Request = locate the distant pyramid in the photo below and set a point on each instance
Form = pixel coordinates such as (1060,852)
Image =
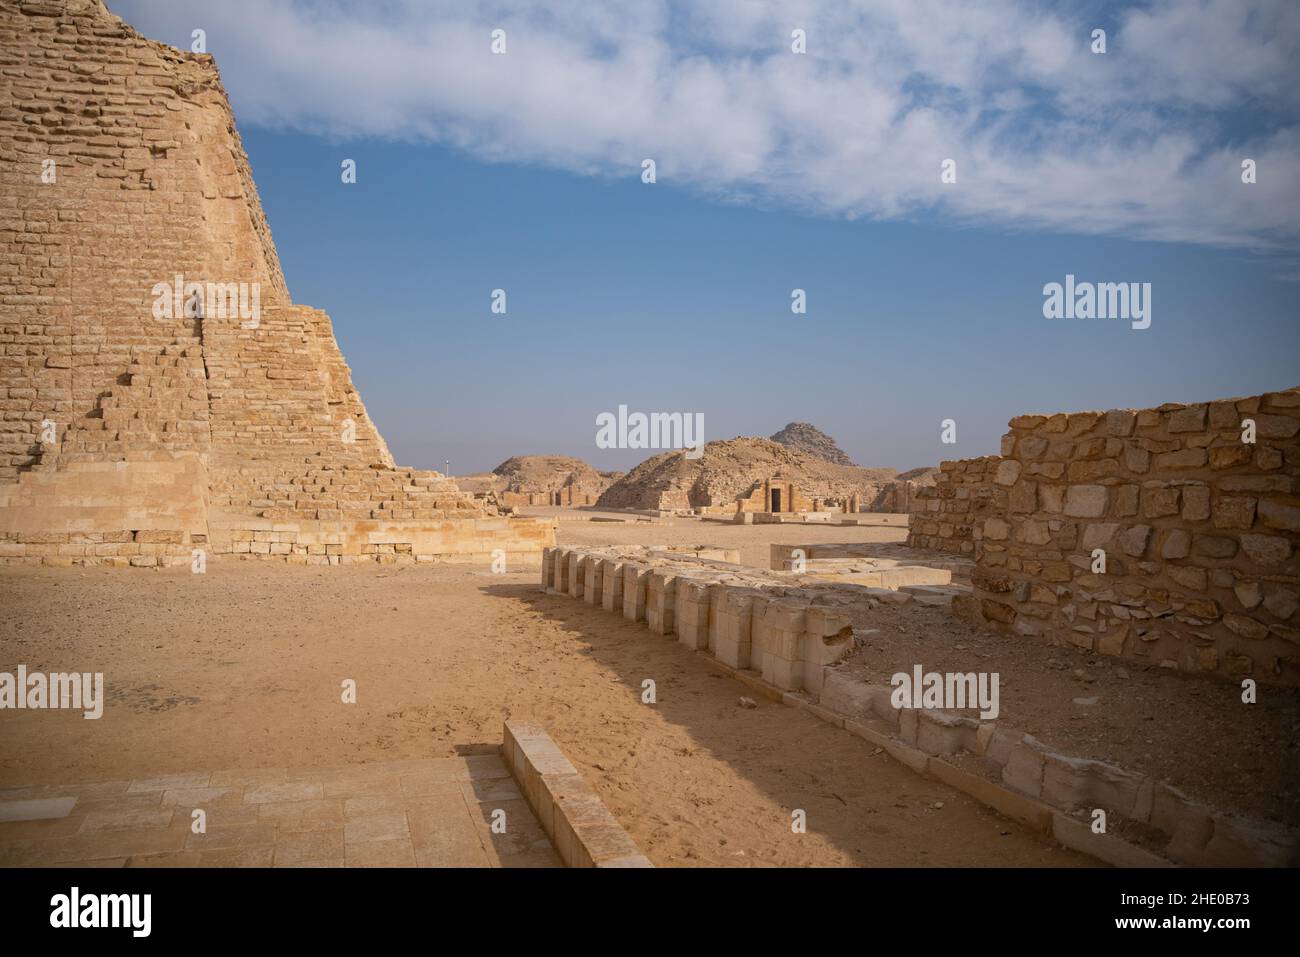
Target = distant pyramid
(810,440)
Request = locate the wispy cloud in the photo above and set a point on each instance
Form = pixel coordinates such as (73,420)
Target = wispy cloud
(1145,141)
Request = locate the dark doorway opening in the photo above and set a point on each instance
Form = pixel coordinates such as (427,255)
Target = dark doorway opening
(776,500)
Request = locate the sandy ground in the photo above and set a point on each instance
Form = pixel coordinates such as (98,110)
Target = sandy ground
(754,541)
(242,667)
(1192,732)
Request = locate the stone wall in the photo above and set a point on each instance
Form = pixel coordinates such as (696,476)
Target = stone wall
(1197,528)
(945,516)
(567,496)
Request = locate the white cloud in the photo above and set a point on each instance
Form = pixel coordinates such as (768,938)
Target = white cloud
(1145,141)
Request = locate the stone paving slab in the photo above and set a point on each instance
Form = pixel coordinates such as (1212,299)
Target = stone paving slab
(42,809)
(434,812)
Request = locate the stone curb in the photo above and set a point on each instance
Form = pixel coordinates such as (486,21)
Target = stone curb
(1043,786)
(579,825)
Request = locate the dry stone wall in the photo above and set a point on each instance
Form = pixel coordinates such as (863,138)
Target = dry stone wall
(946,515)
(1162,534)
(1198,530)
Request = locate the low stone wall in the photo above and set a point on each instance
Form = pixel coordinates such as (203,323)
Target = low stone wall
(308,542)
(303,542)
(1019,776)
(945,516)
(573,816)
(784,642)
(564,497)
(786,632)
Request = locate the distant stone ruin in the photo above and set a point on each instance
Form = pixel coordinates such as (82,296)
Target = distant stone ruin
(559,480)
(1169,534)
(731,469)
(775,497)
(160,393)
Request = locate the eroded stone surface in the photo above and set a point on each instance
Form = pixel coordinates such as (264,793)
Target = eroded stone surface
(139,425)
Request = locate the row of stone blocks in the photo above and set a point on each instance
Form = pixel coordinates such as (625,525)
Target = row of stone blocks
(1183,829)
(785,637)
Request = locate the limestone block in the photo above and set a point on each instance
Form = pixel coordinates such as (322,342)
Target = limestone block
(612,585)
(828,638)
(779,630)
(1023,769)
(560,581)
(1188,824)
(691,616)
(731,636)
(847,696)
(1008,472)
(661,600)
(635,578)
(577,573)
(548,567)
(940,732)
(594,580)
(1086,501)
(1279,515)
(1266,550)
(1070,783)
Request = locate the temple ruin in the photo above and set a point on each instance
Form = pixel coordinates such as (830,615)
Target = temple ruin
(775,496)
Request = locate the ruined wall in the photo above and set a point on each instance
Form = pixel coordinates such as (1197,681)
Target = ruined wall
(947,516)
(759,499)
(567,496)
(1199,531)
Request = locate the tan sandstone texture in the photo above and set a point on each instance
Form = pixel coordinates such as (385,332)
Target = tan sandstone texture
(1198,528)
(133,433)
(524,480)
(734,469)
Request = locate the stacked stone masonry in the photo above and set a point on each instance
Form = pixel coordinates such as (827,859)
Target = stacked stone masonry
(945,515)
(1198,529)
(135,427)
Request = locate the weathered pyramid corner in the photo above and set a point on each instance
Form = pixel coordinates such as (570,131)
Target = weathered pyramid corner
(167,400)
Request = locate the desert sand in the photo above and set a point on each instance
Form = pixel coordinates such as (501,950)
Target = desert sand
(241,667)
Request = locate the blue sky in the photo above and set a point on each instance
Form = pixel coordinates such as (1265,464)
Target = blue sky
(922,304)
